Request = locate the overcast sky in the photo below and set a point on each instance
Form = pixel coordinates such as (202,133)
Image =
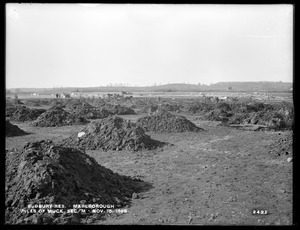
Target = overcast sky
(75,45)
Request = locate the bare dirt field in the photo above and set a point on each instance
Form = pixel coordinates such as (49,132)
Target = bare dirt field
(219,176)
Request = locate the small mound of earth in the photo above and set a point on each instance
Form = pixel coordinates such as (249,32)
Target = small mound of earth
(162,121)
(56,116)
(13,130)
(118,109)
(56,103)
(23,114)
(218,115)
(112,133)
(86,110)
(171,107)
(98,102)
(9,111)
(76,104)
(284,145)
(43,173)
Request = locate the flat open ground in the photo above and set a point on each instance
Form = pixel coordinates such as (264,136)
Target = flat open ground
(215,177)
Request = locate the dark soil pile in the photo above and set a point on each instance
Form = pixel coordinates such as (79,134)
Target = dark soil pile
(56,116)
(283,146)
(199,108)
(112,133)
(171,107)
(98,102)
(238,118)
(45,173)
(25,114)
(44,101)
(117,109)
(13,130)
(162,121)
(148,108)
(276,116)
(218,115)
(82,108)
(77,104)
(56,103)
(9,111)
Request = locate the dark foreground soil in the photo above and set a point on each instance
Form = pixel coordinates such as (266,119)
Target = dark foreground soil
(215,177)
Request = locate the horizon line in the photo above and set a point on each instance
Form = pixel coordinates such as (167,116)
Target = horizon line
(153,85)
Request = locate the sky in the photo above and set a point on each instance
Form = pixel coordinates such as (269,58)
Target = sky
(89,45)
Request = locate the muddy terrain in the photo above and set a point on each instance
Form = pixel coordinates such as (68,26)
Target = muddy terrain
(221,175)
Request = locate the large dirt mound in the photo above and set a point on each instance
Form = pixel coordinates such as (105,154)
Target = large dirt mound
(56,116)
(25,114)
(13,130)
(45,173)
(162,121)
(112,133)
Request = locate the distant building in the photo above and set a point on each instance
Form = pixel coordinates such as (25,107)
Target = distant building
(229,88)
(65,95)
